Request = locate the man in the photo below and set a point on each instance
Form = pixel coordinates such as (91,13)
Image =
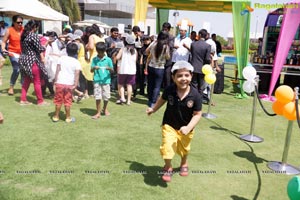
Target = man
(167,77)
(193,36)
(139,71)
(111,49)
(200,52)
(218,44)
(182,45)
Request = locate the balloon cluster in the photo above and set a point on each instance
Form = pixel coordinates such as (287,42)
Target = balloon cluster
(210,76)
(249,74)
(293,188)
(285,102)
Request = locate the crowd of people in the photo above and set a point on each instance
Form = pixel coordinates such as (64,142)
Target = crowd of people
(76,64)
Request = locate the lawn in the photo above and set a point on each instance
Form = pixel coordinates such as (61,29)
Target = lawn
(117,157)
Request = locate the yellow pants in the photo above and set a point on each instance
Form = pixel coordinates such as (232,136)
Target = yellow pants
(174,142)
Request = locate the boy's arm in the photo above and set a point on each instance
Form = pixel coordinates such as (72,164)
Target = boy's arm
(191,125)
(56,73)
(76,78)
(159,103)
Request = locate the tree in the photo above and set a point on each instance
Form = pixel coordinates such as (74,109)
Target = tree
(222,40)
(67,7)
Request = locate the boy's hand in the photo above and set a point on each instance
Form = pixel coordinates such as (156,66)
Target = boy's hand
(1,118)
(185,130)
(149,111)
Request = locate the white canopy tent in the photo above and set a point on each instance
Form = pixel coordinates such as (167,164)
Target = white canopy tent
(32,9)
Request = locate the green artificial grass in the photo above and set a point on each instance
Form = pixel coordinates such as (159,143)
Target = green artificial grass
(117,157)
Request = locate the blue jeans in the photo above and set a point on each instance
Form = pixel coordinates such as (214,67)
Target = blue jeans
(16,70)
(155,79)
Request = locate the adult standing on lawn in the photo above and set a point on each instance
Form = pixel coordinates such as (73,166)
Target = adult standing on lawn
(200,52)
(32,62)
(13,37)
(182,114)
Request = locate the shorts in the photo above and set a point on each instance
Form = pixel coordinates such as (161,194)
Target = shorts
(174,142)
(126,79)
(63,95)
(102,91)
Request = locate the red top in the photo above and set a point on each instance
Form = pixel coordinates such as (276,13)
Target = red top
(14,40)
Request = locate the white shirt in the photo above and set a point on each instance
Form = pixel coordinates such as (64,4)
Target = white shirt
(128,62)
(181,53)
(68,67)
(213,47)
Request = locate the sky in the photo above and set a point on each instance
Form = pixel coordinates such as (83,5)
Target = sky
(222,23)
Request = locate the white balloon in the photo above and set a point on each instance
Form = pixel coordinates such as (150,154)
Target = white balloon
(249,72)
(249,86)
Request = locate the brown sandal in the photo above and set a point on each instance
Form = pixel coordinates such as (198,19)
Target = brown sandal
(184,171)
(167,174)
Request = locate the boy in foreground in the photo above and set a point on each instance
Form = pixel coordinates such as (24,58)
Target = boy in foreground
(182,114)
(66,80)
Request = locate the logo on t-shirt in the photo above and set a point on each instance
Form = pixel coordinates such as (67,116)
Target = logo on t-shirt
(190,103)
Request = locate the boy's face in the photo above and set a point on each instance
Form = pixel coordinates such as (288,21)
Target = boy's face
(182,78)
(101,53)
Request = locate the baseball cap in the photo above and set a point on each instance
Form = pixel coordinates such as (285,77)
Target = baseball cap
(130,39)
(182,65)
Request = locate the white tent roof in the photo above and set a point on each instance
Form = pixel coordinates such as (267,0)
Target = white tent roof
(90,22)
(33,9)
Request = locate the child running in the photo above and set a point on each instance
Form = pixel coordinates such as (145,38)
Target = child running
(182,114)
(102,67)
(66,80)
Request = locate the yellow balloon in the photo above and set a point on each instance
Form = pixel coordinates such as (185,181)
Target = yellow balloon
(278,107)
(210,78)
(207,69)
(289,111)
(284,94)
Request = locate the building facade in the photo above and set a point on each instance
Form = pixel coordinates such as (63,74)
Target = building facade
(114,12)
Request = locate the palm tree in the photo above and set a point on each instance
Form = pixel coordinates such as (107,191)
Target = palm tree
(67,7)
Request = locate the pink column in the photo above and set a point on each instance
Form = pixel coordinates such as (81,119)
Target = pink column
(290,24)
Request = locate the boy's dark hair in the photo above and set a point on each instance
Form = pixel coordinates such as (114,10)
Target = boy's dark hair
(136,29)
(203,33)
(100,46)
(166,25)
(114,29)
(72,49)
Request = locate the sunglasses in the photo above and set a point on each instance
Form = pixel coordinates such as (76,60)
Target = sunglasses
(19,23)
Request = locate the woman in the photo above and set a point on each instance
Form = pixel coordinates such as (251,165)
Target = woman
(13,36)
(92,33)
(159,53)
(126,69)
(32,63)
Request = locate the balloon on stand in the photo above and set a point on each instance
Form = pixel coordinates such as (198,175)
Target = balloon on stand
(210,78)
(249,86)
(207,69)
(249,73)
(293,188)
(289,111)
(278,107)
(284,94)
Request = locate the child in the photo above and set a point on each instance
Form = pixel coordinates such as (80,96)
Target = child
(101,66)
(66,80)
(182,114)
(127,69)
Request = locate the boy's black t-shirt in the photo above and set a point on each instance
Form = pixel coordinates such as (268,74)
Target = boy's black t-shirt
(179,113)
